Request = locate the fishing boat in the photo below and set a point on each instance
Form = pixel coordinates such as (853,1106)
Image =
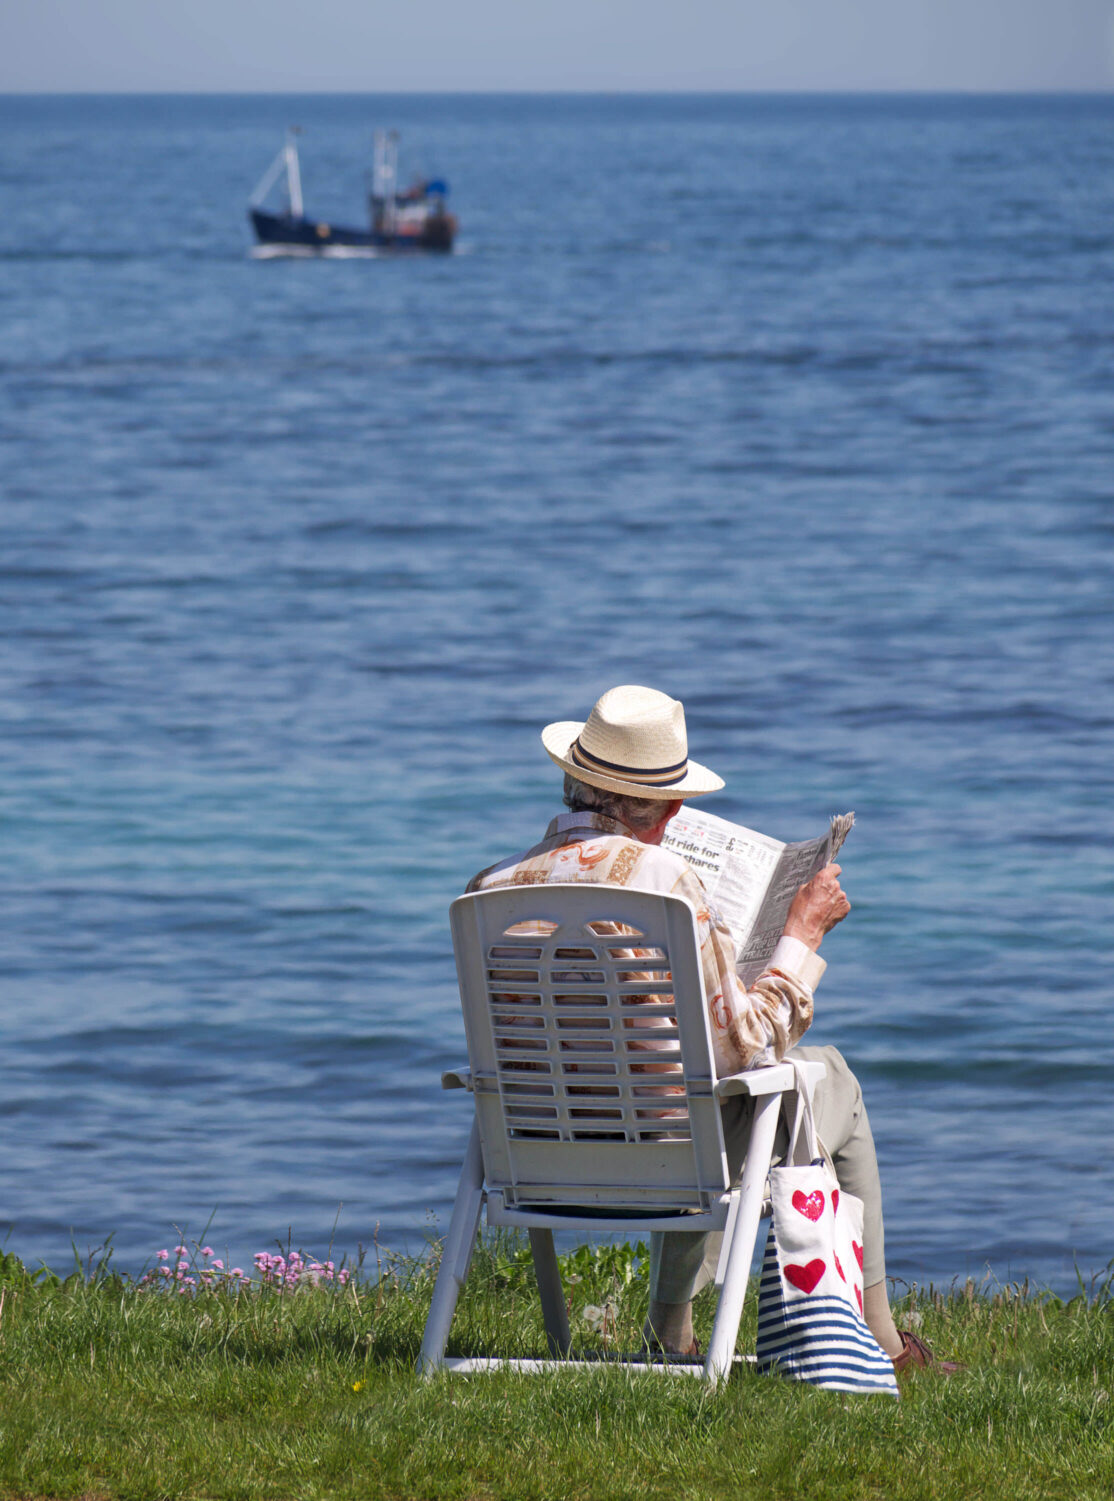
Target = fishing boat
(406,219)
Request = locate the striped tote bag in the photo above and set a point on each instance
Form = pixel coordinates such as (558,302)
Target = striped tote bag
(810,1297)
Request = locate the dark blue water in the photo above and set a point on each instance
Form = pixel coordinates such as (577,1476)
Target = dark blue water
(801,409)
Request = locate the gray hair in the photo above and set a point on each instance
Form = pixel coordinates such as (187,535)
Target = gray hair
(638,813)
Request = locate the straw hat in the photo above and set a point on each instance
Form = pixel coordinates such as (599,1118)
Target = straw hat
(633,742)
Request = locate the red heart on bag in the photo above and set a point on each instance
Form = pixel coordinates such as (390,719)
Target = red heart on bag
(858,1250)
(805,1278)
(810,1205)
(839,1269)
(835,1199)
(859,1295)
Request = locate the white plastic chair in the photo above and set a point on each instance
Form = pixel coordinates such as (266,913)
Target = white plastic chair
(597,1103)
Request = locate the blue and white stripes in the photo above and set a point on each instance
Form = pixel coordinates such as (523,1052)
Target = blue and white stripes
(819,1339)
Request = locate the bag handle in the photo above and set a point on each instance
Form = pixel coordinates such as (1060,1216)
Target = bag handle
(804,1117)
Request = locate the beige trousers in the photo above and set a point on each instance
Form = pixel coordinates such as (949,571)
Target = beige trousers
(681,1263)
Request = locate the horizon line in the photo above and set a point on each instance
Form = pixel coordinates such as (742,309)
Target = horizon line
(572,92)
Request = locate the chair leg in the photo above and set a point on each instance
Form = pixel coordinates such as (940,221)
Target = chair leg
(725,1244)
(548,1276)
(456,1256)
(737,1257)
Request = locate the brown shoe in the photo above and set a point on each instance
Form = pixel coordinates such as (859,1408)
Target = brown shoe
(915,1355)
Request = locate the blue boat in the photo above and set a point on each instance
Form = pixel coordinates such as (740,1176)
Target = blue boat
(409,219)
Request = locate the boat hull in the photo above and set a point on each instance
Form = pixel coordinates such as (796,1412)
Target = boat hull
(306,235)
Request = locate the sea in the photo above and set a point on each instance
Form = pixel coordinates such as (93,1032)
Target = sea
(799,408)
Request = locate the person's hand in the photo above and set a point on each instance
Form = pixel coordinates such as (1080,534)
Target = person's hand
(817,907)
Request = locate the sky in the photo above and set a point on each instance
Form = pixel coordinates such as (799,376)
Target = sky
(367,46)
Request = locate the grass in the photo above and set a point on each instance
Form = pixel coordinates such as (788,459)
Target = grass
(108,1389)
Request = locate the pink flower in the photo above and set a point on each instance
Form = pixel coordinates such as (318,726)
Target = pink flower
(219,1265)
(206,1250)
(238,1272)
(162,1255)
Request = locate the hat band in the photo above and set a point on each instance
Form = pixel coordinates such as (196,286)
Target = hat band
(663,776)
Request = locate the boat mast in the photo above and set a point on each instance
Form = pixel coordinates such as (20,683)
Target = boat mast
(384,181)
(293,173)
(286,160)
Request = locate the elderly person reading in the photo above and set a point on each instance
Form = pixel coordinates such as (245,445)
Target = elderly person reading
(627,771)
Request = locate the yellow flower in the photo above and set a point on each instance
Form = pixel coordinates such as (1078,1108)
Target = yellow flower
(357,1386)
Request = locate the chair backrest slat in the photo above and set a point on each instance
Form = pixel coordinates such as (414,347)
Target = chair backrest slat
(588,1041)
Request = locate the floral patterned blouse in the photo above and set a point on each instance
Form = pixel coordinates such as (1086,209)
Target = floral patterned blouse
(749,1027)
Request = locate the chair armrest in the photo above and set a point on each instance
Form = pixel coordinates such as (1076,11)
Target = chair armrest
(457,1078)
(775,1079)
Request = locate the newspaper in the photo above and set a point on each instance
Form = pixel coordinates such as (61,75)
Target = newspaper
(751,878)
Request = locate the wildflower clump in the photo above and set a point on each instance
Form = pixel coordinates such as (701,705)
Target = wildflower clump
(293,1271)
(187,1273)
